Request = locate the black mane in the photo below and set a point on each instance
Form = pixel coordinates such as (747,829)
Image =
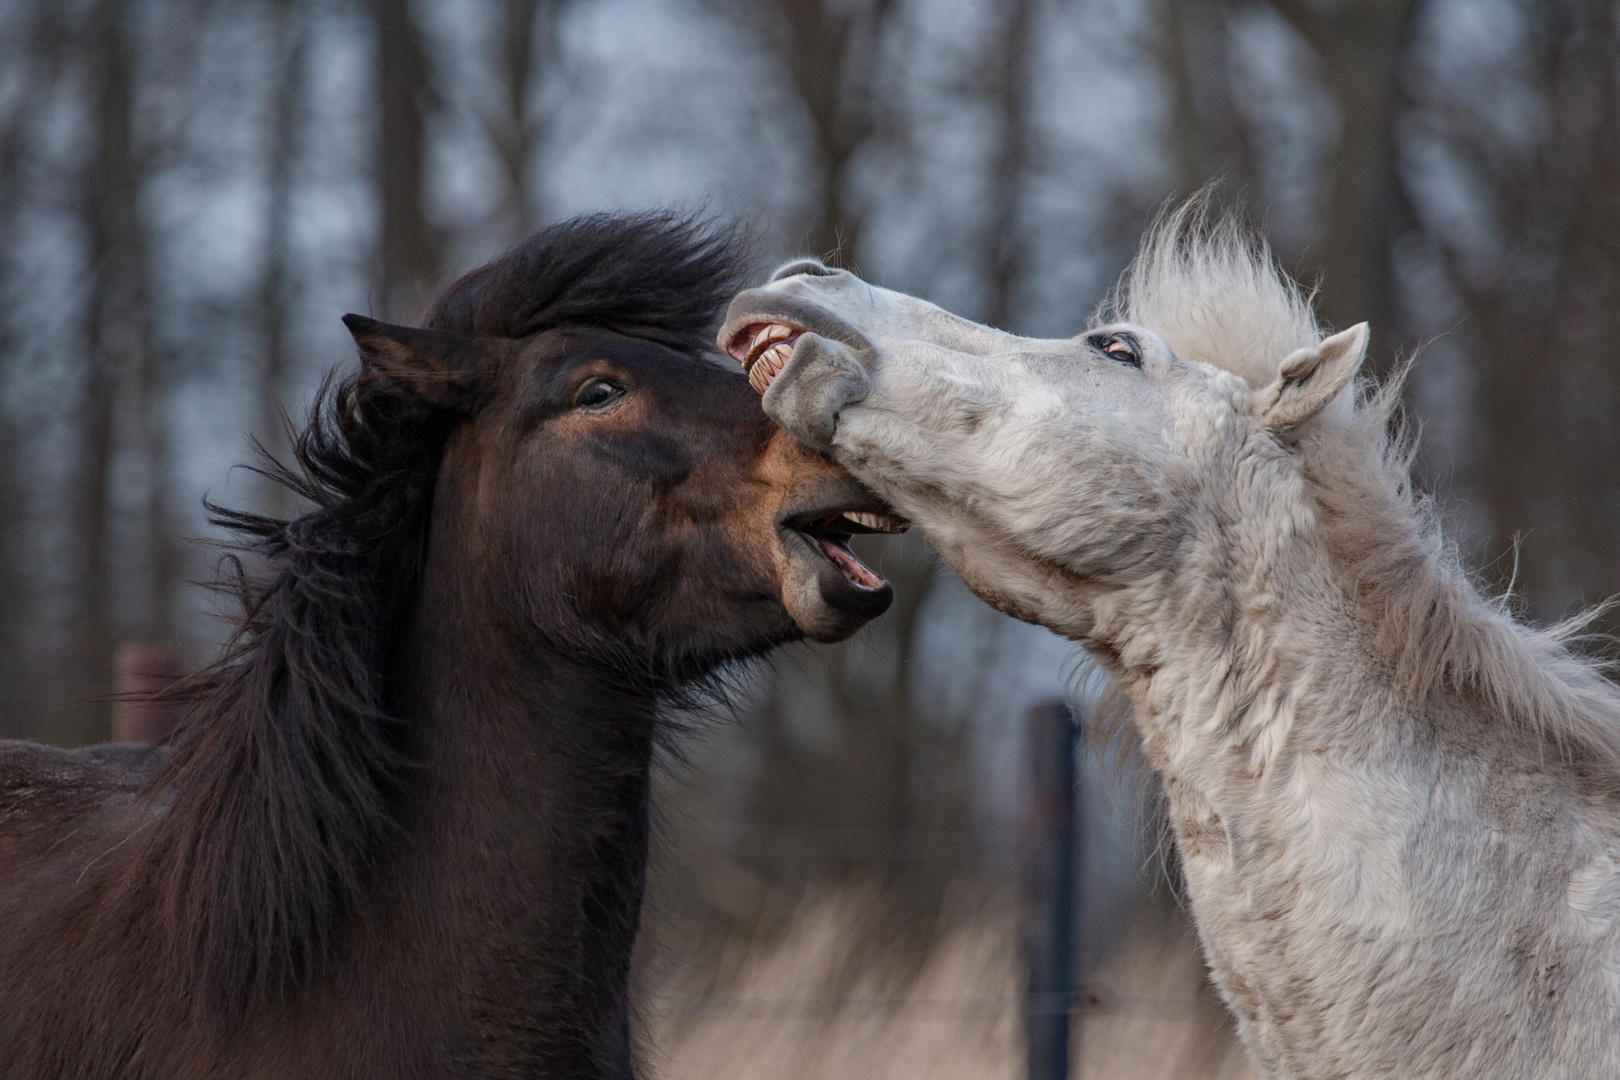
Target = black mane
(284,775)
(654,275)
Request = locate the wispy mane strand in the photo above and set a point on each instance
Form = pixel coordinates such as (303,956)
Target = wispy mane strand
(1210,287)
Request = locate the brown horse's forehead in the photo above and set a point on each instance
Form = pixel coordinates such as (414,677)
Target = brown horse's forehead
(570,343)
(532,380)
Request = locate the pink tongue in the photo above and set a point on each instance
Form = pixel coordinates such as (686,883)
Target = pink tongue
(852,567)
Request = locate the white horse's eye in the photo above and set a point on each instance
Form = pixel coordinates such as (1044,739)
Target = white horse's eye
(1119,347)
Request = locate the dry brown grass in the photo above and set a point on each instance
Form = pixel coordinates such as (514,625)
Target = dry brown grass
(808,1004)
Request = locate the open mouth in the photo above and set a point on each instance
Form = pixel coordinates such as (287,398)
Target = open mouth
(829,534)
(816,524)
(763,350)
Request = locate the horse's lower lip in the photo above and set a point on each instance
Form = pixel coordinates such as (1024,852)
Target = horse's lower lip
(826,589)
(836,551)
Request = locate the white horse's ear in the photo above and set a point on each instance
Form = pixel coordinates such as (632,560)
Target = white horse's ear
(1308,379)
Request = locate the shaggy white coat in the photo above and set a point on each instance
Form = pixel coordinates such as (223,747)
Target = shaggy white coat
(1396,807)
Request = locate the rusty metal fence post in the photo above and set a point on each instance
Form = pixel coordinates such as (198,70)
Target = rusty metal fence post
(141,668)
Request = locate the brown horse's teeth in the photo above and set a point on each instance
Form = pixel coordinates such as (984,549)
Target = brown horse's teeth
(880,522)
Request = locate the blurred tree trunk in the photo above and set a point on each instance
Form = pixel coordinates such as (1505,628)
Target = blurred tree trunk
(273,301)
(1544,304)
(1366,51)
(36,52)
(409,247)
(125,551)
(832,52)
(516,129)
(1006,251)
(1208,137)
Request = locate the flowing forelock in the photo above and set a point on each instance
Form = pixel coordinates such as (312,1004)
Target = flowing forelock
(1212,290)
(658,275)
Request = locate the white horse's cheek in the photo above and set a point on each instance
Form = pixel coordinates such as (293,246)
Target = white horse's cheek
(882,454)
(1593,895)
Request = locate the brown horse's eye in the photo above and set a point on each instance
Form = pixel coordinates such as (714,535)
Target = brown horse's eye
(597,393)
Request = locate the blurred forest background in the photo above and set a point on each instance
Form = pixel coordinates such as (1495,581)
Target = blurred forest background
(192,192)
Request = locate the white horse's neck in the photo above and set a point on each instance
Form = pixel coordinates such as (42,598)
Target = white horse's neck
(1332,831)
(1244,655)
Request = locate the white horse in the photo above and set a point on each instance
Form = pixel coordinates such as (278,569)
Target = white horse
(1398,809)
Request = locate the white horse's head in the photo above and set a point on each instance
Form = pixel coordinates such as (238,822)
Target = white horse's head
(1358,749)
(1091,462)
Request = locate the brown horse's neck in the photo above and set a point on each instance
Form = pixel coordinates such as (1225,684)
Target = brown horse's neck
(530,812)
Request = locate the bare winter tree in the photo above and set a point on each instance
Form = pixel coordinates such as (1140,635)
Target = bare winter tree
(515,126)
(290,22)
(1542,296)
(1363,50)
(109,68)
(832,54)
(1207,137)
(410,250)
(36,48)
(120,378)
(1007,76)
(1366,49)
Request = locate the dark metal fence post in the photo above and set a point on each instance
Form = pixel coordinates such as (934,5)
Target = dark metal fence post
(1050,854)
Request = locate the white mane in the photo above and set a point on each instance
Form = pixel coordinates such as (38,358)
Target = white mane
(1212,289)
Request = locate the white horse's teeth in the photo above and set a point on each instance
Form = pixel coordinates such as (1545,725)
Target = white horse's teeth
(769,362)
(766,335)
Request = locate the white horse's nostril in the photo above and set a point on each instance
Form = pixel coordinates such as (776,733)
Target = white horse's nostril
(812,267)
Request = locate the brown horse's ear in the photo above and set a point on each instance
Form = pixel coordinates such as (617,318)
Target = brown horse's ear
(435,365)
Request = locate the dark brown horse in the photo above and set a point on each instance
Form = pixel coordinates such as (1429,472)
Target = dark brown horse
(402,831)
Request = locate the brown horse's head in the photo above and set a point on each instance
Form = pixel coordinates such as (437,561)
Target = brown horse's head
(624,485)
(619,484)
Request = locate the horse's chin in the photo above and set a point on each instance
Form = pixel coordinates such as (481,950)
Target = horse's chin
(828,598)
(829,592)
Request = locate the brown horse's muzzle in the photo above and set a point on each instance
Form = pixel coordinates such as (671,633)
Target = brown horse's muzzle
(826,587)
